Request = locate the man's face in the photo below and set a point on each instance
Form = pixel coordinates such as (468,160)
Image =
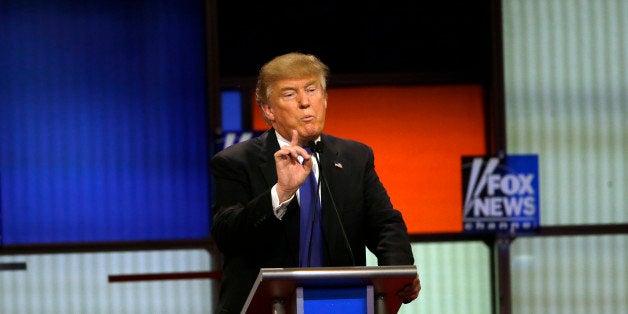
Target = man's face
(297,104)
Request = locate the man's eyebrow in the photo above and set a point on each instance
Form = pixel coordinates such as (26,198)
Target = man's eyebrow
(308,84)
(287,88)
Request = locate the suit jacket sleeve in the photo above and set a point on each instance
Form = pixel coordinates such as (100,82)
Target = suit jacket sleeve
(387,235)
(367,213)
(243,206)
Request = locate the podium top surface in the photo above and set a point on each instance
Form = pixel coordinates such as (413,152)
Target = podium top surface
(273,283)
(313,274)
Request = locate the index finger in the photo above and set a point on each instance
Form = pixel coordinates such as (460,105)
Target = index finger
(295,138)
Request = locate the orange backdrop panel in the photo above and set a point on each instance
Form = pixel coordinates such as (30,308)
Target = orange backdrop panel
(418,134)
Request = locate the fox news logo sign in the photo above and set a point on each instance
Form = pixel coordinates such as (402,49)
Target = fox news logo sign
(501,195)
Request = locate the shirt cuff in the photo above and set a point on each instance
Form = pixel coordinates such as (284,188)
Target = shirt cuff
(279,208)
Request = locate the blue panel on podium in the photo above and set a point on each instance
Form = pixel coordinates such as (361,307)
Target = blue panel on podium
(336,300)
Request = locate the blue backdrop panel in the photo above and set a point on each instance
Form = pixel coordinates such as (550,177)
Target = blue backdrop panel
(231,101)
(103,121)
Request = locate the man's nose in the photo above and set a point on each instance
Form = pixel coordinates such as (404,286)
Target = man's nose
(303,100)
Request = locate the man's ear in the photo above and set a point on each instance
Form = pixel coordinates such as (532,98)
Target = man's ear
(268,111)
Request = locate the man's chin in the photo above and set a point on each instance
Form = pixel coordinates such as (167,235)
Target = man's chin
(309,136)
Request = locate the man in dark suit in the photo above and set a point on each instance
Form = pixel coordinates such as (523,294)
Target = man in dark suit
(258,222)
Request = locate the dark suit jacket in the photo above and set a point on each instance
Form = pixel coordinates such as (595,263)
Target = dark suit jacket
(251,237)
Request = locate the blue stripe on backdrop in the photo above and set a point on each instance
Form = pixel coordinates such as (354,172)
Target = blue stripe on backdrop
(103,121)
(231,105)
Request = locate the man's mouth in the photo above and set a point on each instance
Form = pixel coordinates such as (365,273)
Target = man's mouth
(307,118)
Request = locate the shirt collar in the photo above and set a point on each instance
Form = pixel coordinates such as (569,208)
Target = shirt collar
(284,142)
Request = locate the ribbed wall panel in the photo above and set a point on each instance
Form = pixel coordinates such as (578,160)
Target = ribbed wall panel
(570,275)
(567,100)
(455,278)
(78,283)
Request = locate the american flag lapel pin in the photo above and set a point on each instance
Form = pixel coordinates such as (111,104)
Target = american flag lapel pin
(338,164)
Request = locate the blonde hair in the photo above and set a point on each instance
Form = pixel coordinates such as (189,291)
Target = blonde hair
(292,65)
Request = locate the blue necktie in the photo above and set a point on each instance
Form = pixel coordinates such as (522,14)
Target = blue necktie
(311,235)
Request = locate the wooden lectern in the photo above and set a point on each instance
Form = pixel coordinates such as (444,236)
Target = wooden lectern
(362,289)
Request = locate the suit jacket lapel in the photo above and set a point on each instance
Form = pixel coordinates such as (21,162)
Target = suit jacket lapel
(330,159)
(269,146)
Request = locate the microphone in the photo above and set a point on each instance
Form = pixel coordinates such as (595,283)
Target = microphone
(319,147)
